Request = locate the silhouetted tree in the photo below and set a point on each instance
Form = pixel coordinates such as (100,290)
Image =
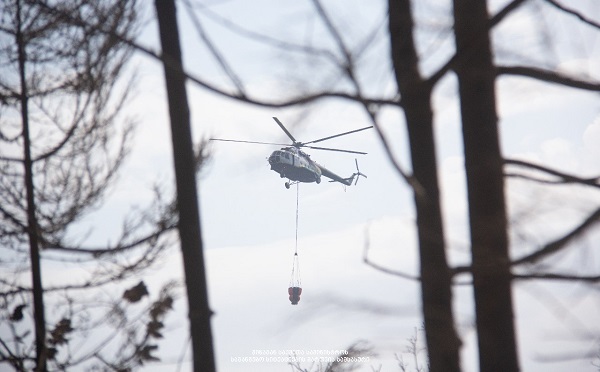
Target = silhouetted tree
(190,234)
(63,138)
(485,185)
(415,92)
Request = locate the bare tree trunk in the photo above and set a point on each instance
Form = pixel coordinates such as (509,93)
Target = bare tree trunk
(187,198)
(485,184)
(32,233)
(443,343)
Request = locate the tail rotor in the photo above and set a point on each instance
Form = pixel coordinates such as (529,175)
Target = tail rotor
(358,174)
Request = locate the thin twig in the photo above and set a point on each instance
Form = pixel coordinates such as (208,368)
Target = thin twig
(215,52)
(380,267)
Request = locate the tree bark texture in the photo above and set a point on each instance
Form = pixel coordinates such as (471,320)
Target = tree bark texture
(485,185)
(187,198)
(442,340)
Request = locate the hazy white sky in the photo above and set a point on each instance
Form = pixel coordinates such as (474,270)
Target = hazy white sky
(248,217)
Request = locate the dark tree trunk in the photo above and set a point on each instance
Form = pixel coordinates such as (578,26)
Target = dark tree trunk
(187,198)
(485,184)
(32,231)
(443,343)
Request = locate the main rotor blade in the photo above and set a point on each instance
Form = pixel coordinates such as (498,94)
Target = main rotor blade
(284,129)
(339,150)
(240,141)
(338,135)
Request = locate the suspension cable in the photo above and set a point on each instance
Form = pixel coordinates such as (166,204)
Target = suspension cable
(297,198)
(295,280)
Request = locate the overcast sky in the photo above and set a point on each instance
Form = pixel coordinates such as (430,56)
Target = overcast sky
(248,216)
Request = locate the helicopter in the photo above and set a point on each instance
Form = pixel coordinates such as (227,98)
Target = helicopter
(297,166)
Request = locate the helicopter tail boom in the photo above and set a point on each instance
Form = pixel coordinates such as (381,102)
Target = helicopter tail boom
(346,181)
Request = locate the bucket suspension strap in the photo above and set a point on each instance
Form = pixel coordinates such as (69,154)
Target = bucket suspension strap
(295,280)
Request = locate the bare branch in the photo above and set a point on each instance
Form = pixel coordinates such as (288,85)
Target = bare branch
(555,276)
(337,37)
(369,106)
(564,177)
(540,179)
(215,52)
(99,279)
(386,270)
(267,39)
(219,91)
(548,76)
(580,16)
(496,19)
(548,249)
(381,268)
(119,248)
(409,178)
(562,242)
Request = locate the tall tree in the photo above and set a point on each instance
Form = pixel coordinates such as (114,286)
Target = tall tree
(485,185)
(63,139)
(32,229)
(187,199)
(415,97)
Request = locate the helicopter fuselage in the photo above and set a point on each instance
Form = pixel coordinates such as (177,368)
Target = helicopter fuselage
(295,165)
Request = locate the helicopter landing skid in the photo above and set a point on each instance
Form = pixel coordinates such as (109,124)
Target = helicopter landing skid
(290,183)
